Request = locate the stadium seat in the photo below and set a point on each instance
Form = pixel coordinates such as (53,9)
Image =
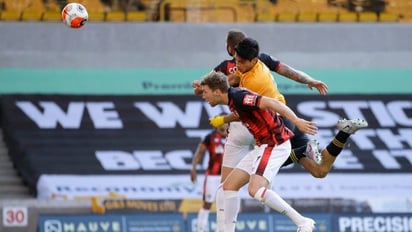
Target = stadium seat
(96,16)
(266,17)
(51,16)
(388,17)
(286,17)
(265,11)
(10,15)
(221,15)
(115,16)
(307,17)
(347,17)
(31,15)
(368,17)
(136,16)
(328,17)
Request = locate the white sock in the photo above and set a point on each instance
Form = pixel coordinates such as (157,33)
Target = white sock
(231,210)
(202,219)
(220,208)
(274,201)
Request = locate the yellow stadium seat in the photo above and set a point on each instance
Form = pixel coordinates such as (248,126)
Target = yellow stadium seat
(286,17)
(136,16)
(96,16)
(328,17)
(368,17)
(388,17)
(347,17)
(307,17)
(31,15)
(10,15)
(52,16)
(115,16)
(265,17)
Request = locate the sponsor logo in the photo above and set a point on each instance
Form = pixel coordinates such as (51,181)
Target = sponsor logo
(85,226)
(372,223)
(249,100)
(52,226)
(385,146)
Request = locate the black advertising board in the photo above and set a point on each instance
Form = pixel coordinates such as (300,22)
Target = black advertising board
(157,135)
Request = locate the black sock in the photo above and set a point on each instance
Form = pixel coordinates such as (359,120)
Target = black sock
(295,155)
(338,143)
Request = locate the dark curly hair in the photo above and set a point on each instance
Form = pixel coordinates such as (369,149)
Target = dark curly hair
(247,49)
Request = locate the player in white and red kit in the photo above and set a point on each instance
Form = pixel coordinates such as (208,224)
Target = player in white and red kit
(262,117)
(213,143)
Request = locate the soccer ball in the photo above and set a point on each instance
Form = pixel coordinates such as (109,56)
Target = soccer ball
(74,15)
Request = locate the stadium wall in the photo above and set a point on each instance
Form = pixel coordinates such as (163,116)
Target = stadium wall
(174,45)
(32,54)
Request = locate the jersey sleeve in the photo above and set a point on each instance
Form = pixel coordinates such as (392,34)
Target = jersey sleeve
(227,67)
(246,100)
(206,140)
(271,62)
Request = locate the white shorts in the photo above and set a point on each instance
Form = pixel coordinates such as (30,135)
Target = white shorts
(210,186)
(238,143)
(253,163)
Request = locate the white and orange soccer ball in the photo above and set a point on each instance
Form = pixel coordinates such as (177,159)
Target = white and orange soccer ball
(74,15)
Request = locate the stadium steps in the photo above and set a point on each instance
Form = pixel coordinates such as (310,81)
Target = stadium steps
(11,185)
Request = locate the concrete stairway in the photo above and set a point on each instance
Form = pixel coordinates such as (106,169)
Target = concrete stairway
(11,185)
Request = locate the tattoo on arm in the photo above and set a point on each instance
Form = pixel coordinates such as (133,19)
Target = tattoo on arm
(294,74)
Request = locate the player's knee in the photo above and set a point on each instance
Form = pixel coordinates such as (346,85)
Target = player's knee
(254,190)
(319,174)
(251,192)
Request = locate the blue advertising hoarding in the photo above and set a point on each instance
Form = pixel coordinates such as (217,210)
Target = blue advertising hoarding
(247,222)
(112,223)
(263,222)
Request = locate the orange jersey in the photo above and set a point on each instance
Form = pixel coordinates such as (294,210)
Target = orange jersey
(261,81)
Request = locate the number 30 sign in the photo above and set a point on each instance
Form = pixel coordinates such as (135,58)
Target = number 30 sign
(15,216)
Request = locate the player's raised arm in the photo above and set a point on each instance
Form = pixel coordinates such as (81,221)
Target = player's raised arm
(289,72)
(200,152)
(302,77)
(275,105)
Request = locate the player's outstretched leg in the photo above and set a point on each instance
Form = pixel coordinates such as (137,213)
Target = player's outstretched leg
(320,168)
(334,148)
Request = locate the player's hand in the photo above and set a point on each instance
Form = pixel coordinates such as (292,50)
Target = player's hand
(319,85)
(233,80)
(197,89)
(306,126)
(193,175)
(217,121)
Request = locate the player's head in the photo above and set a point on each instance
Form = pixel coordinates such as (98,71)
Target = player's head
(223,129)
(215,86)
(233,37)
(246,54)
